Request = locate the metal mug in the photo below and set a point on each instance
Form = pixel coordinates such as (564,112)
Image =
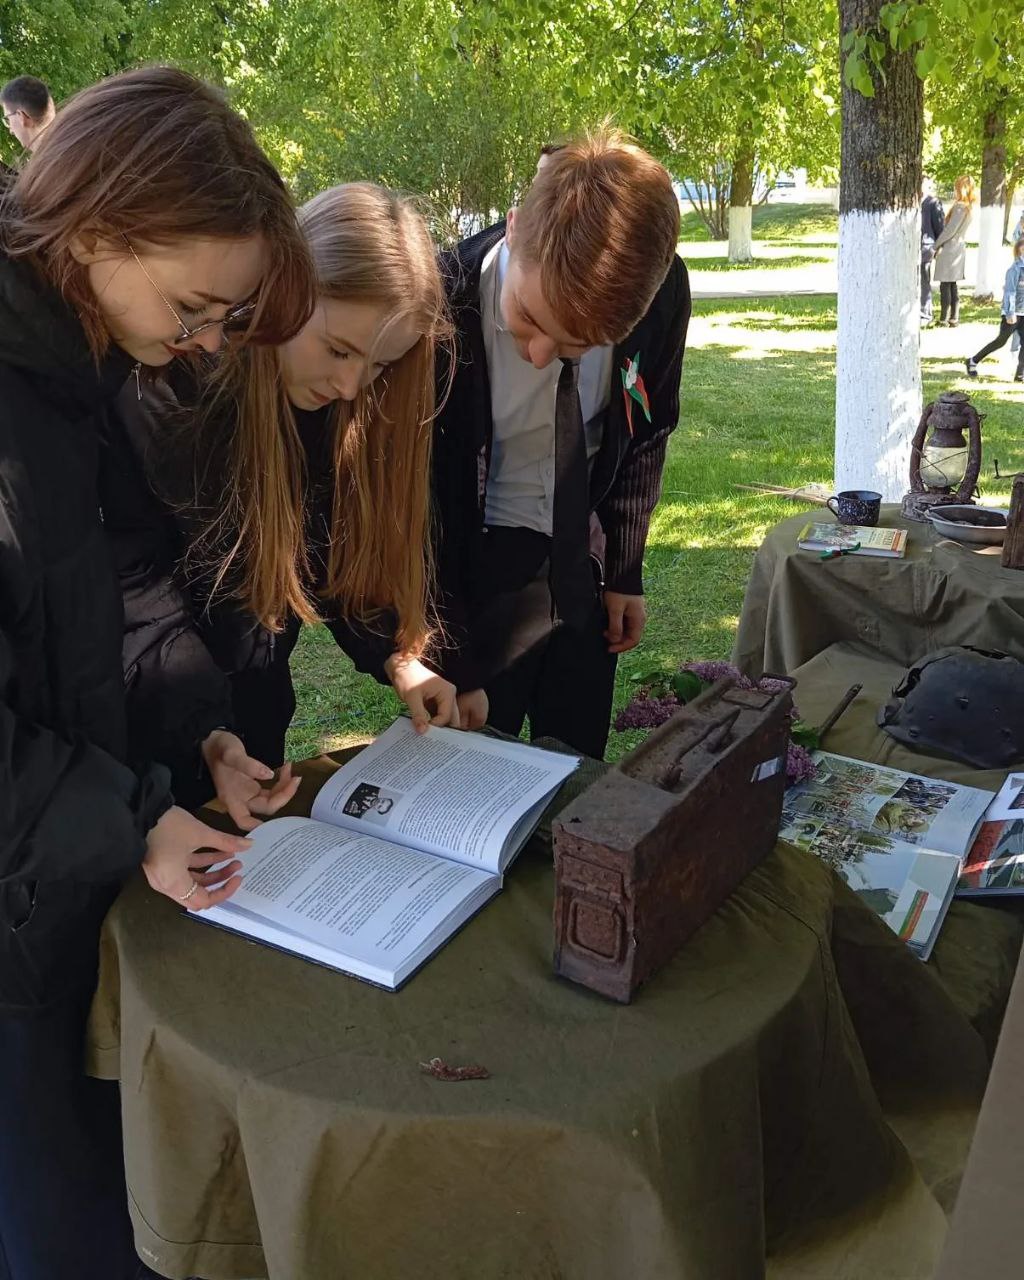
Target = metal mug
(856,506)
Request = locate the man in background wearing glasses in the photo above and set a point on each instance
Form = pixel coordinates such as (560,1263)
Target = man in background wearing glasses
(28,109)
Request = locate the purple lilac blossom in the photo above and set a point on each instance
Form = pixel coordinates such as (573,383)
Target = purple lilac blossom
(773,686)
(711,671)
(799,765)
(645,713)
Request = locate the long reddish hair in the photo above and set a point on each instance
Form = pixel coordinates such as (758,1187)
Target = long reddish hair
(156,156)
(965,191)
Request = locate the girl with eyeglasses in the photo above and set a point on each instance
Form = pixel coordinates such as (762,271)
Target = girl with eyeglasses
(317,510)
(145,219)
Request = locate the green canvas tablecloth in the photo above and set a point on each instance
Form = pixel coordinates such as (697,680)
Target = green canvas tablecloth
(941,593)
(792,1097)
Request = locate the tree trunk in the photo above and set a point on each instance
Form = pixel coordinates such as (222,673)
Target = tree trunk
(989,281)
(741,194)
(878,377)
(1008,198)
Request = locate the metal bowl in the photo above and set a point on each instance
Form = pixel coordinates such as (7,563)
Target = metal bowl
(961,523)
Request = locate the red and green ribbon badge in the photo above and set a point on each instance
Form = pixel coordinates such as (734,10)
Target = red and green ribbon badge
(633,389)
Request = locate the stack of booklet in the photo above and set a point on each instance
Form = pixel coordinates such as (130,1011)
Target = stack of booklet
(406,842)
(898,839)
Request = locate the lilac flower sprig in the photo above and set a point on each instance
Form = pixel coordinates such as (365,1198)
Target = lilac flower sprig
(661,695)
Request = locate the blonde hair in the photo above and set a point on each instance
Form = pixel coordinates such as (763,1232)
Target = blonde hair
(964,190)
(368,244)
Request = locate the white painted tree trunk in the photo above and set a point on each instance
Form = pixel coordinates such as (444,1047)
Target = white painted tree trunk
(878,375)
(992,259)
(741,243)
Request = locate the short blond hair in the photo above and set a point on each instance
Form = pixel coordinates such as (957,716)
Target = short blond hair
(601,221)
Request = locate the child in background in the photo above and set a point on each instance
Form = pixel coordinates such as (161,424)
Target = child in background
(1012,319)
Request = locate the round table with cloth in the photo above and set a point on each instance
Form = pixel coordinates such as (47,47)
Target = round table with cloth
(792,1096)
(940,593)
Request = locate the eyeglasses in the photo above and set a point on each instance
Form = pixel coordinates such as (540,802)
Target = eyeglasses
(235,321)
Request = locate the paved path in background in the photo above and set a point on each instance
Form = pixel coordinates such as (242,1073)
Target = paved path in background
(759,281)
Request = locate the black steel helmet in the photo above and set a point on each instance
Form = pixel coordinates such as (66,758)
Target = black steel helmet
(961,702)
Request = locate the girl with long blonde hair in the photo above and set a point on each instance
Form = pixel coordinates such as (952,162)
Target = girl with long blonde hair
(320,510)
(951,250)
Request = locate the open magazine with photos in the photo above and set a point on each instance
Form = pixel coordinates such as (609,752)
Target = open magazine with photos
(896,838)
(406,842)
(995,865)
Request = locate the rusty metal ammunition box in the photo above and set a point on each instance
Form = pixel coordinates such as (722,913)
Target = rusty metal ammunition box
(648,852)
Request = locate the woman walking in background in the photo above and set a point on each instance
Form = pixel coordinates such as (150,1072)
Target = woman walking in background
(951,252)
(1012,318)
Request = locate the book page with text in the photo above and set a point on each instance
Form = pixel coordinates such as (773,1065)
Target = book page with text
(349,895)
(457,794)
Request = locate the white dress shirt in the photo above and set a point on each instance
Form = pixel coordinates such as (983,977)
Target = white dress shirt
(521,479)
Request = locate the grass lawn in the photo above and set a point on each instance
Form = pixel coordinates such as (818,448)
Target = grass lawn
(757,405)
(792,223)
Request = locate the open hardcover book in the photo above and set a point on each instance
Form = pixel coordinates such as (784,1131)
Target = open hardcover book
(896,838)
(406,842)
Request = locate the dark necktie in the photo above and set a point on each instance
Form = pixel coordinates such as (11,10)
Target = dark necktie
(572,582)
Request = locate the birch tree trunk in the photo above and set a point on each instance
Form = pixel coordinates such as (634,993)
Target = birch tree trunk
(991,264)
(741,194)
(878,377)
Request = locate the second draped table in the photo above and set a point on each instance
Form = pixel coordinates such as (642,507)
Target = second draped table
(940,593)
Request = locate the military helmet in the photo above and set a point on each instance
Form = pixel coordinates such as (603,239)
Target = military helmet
(961,702)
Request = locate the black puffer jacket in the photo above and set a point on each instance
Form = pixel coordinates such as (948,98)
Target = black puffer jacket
(192,664)
(73,814)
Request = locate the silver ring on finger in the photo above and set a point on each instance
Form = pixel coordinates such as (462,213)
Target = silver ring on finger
(184,897)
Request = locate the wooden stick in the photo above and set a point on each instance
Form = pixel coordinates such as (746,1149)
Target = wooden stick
(798,495)
(837,711)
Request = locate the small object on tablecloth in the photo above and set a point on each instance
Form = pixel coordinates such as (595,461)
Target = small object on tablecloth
(830,720)
(441,1070)
(1013,540)
(856,506)
(971,525)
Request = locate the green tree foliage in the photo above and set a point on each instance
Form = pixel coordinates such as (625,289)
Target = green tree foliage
(452,98)
(942,33)
(418,94)
(714,82)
